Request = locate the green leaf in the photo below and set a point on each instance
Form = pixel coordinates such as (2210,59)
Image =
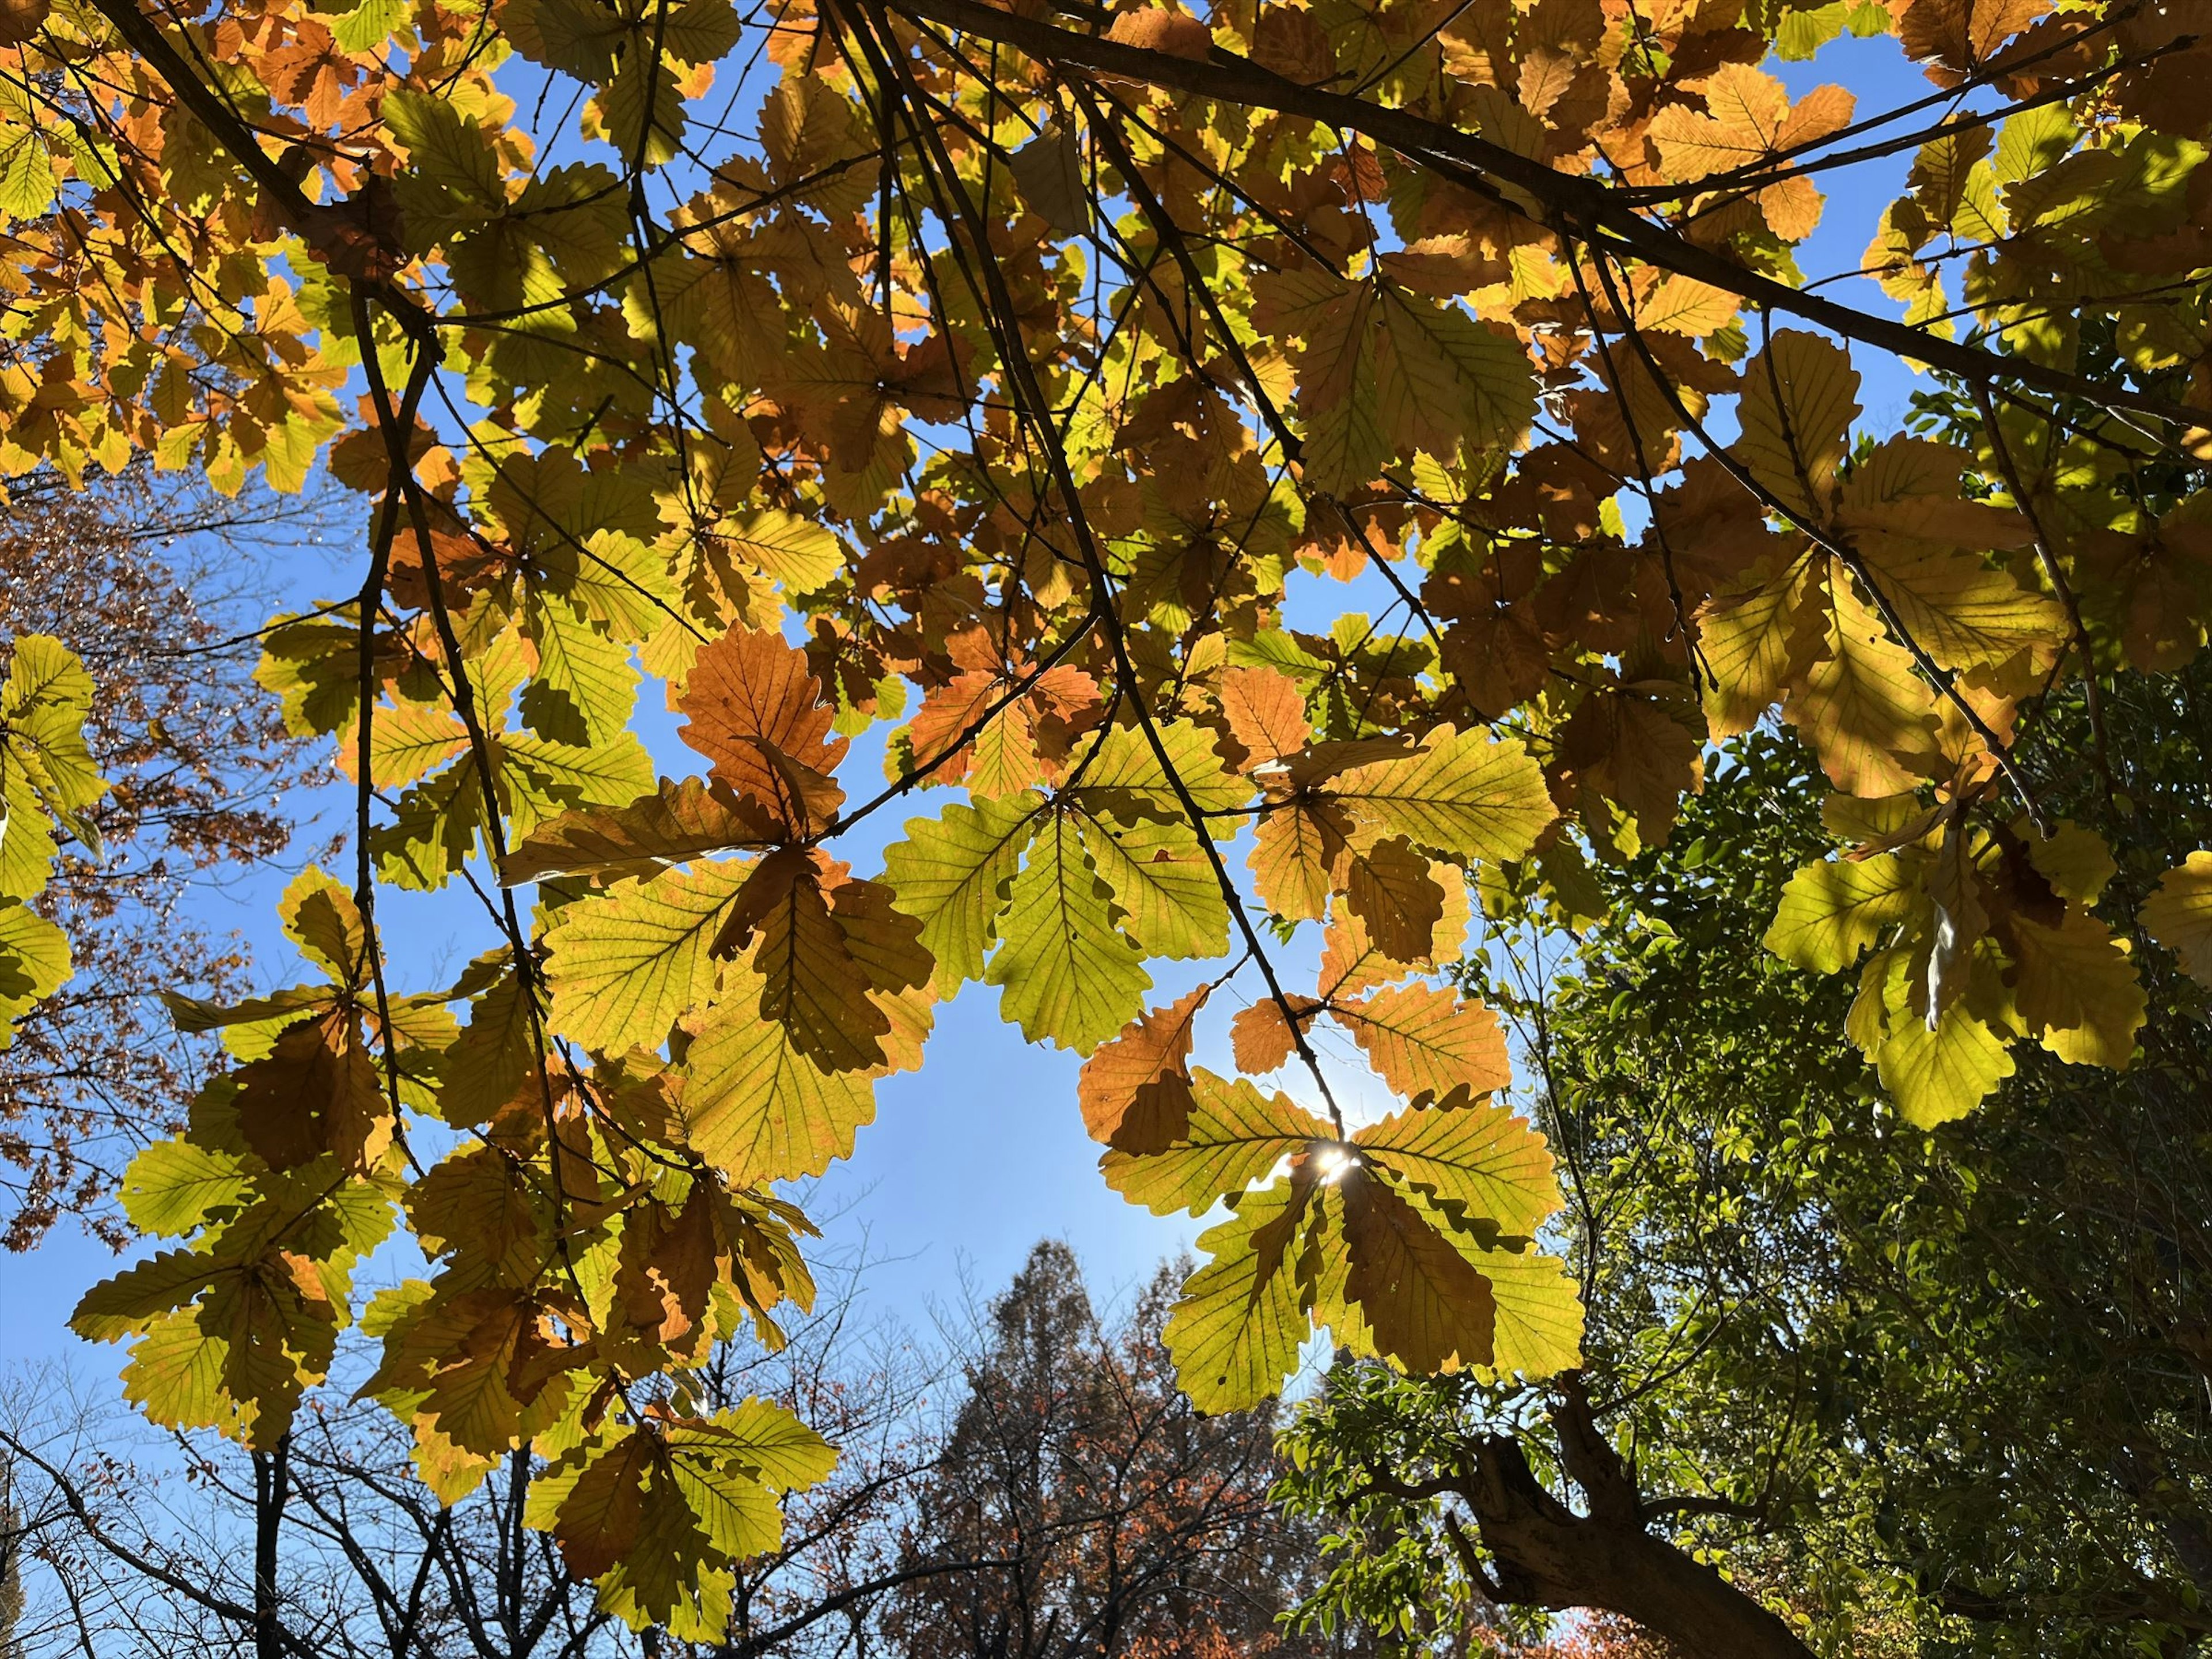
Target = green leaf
(1164,884)
(26,178)
(174,1375)
(759,1108)
(1236,1331)
(625,964)
(1833,912)
(1125,777)
(1463,795)
(539,778)
(46,771)
(801,554)
(737,1511)
(35,962)
(173,1187)
(369,24)
(1537,1327)
(1070,977)
(131,1300)
(767,1439)
(1476,1155)
(447,149)
(951,874)
(1236,1135)
(584,689)
(1936,1074)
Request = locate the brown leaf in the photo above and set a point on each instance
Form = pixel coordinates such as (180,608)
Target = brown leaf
(1291,41)
(678,823)
(1388,888)
(1498,656)
(1628,746)
(811,983)
(665,1268)
(1430,1309)
(883,940)
(316,1091)
(1951,39)
(1135,1089)
(1266,713)
(1294,853)
(1261,1038)
(597,1523)
(1174,32)
(757,713)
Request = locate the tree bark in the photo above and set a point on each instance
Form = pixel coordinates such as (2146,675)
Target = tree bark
(272,1486)
(1545,1554)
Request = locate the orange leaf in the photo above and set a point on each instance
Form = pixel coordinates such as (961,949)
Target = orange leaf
(757,712)
(1424,1040)
(1135,1090)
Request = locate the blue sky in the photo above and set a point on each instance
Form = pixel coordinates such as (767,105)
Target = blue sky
(983,1152)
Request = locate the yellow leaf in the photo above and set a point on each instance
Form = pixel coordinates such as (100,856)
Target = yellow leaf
(2179,915)
(1832,912)
(1236,1133)
(625,964)
(1462,794)
(759,1108)
(2076,989)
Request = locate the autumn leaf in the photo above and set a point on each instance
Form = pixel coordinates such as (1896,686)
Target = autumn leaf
(757,712)
(1236,1331)
(758,1106)
(1429,1307)
(1136,1091)
(677,823)
(1462,794)
(1833,912)
(2179,915)
(1799,397)
(625,964)
(1069,975)
(951,874)
(1424,1040)
(1084,546)
(1235,1135)
(1476,1155)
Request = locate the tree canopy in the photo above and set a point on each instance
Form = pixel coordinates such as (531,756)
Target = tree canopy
(982,388)
(1938,1392)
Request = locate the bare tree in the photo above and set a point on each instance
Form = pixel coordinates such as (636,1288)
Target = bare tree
(203,779)
(1064,1500)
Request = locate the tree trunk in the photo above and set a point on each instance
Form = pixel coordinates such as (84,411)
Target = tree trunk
(272,1486)
(1547,1555)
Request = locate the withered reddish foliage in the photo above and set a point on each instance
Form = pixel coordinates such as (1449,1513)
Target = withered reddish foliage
(203,784)
(1118,1519)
